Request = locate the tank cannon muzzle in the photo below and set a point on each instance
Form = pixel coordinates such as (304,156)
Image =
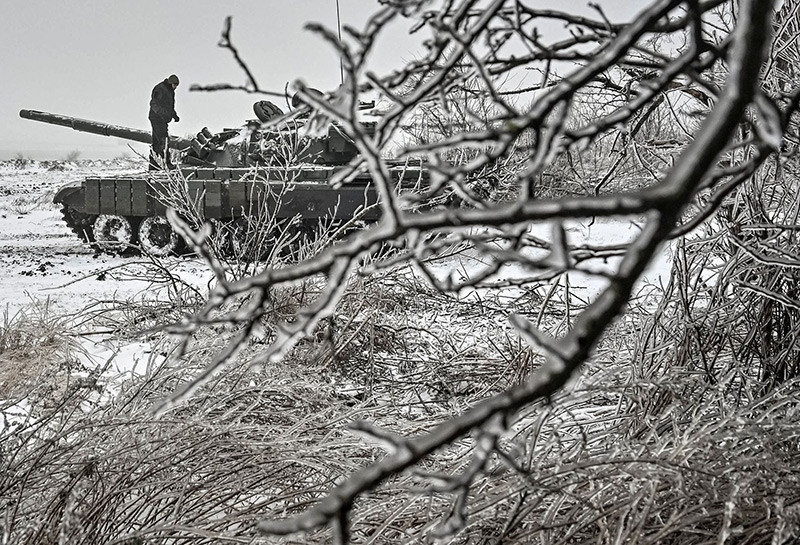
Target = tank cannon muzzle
(95,127)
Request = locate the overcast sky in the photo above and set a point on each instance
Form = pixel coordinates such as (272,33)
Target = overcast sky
(99,59)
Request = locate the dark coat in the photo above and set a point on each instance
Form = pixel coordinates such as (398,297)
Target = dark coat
(162,103)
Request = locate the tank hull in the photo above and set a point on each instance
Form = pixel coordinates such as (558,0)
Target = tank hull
(222,194)
(226,194)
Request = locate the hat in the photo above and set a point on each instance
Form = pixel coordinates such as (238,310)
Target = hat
(173,79)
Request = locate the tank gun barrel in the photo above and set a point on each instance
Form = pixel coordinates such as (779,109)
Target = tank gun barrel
(95,127)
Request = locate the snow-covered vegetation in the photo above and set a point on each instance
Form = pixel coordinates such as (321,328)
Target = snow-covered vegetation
(586,332)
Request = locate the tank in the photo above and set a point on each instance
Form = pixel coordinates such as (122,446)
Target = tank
(229,177)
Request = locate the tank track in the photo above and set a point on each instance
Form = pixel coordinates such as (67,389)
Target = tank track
(79,223)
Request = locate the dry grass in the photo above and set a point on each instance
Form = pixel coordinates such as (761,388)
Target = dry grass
(34,348)
(642,448)
(253,443)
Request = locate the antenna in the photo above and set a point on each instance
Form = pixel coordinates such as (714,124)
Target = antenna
(339,27)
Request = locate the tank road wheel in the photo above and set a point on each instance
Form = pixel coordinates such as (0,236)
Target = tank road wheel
(112,233)
(157,237)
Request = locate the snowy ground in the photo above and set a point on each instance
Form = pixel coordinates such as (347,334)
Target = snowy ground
(42,260)
(583,285)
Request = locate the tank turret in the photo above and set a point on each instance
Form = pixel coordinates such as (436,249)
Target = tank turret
(256,142)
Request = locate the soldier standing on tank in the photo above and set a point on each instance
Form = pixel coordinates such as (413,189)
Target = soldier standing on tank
(162,111)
